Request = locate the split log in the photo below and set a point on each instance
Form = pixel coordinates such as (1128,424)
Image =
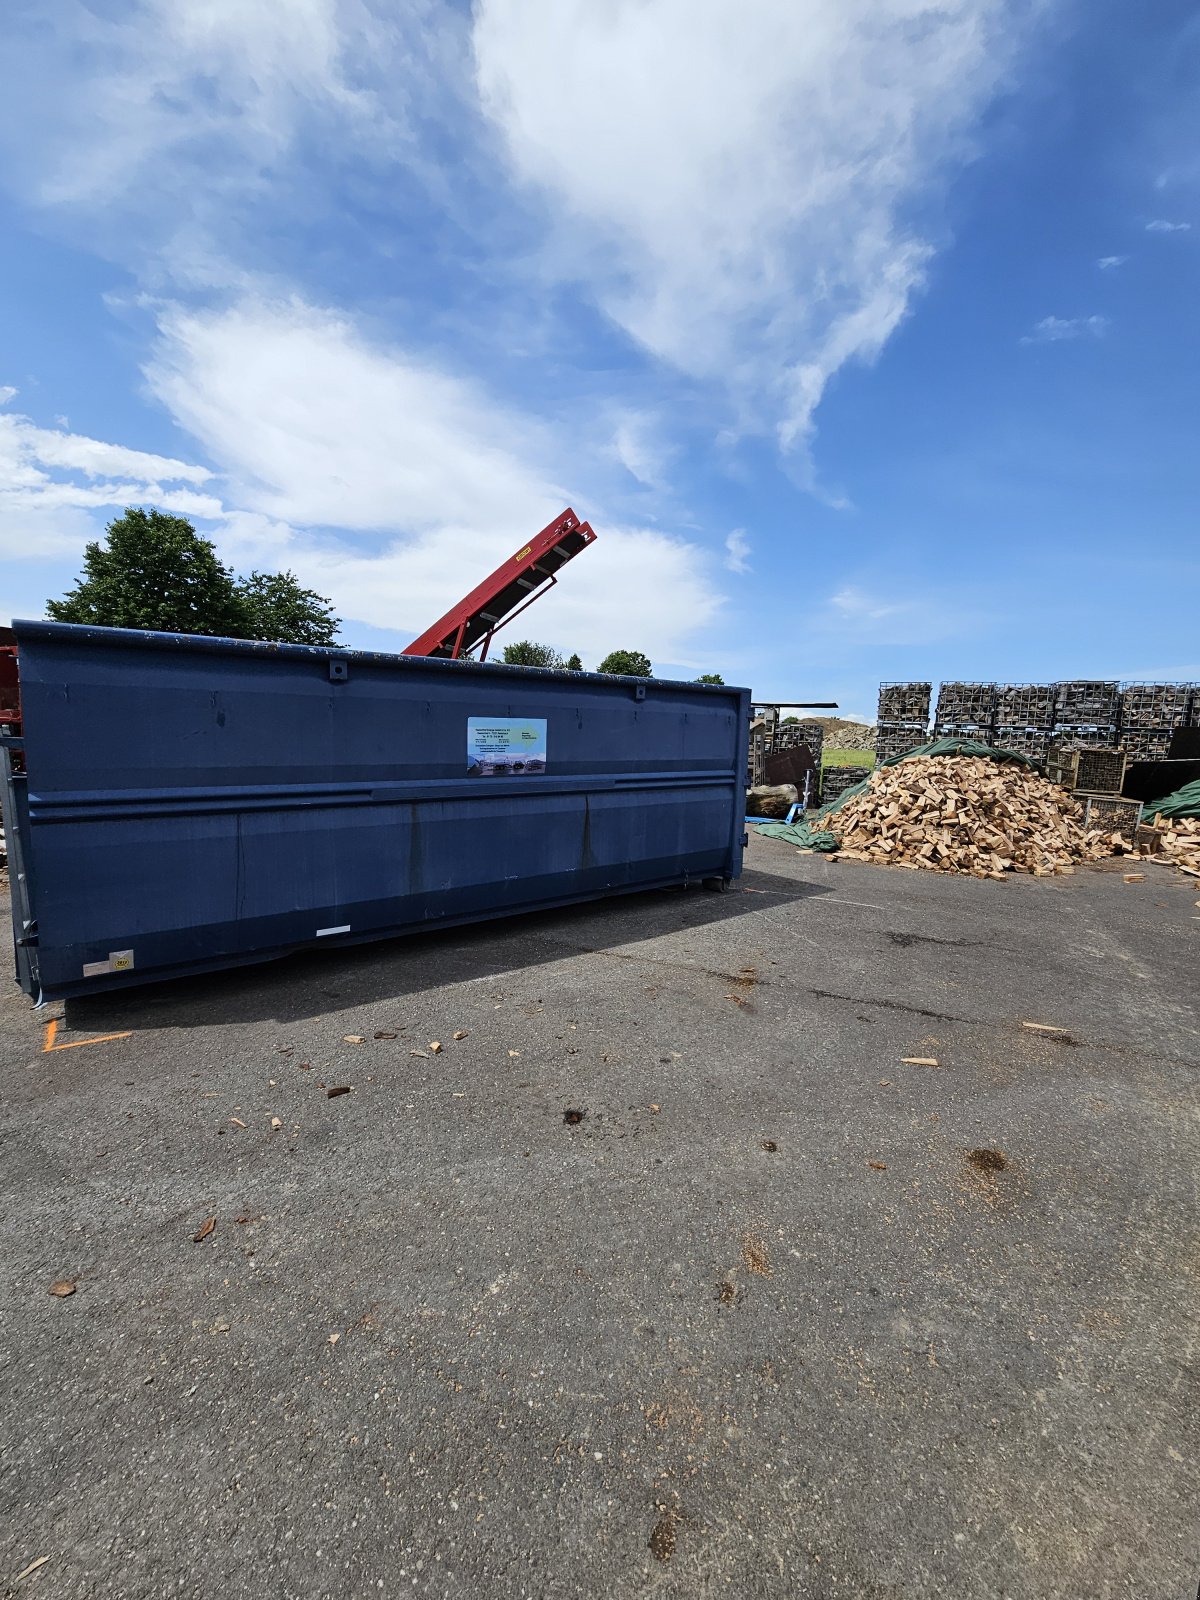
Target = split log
(771,800)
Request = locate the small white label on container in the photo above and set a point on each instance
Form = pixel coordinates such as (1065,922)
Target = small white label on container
(120,960)
(94,969)
(321,932)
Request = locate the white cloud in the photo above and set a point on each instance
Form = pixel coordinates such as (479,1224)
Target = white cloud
(74,452)
(385,483)
(633,588)
(221,87)
(39,483)
(327,440)
(869,617)
(313,425)
(1051,329)
(637,444)
(7,393)
(856,605)
(37,530)
(743,197)
(739,193)
(1159,225)
(1106,263)
(737,551)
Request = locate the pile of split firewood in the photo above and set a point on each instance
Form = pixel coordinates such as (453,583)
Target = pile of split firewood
(965,814)
(1174,839)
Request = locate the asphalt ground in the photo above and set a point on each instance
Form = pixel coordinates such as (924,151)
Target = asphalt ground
(778,1315)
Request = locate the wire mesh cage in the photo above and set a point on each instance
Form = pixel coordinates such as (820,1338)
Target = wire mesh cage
(1147,744)
(1070,736)
(963,704)
(1155,705)
(982,733)
(904,702)
(1111,813)
(1031,742)
(836,780)
(895,738)
(1025,705)
(1089,702)
(1096,771)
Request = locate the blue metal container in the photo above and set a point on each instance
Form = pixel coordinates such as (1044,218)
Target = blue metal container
(193,803)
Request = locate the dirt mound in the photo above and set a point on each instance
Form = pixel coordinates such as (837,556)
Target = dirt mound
(843,735)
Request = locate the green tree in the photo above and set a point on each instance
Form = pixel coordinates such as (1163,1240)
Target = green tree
(153,571)
(573,663)
(711,677)
(525,653)
(274,606)
(630,663)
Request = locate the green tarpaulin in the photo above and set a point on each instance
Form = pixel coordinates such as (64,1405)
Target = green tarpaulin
(1184,802)
(800,834)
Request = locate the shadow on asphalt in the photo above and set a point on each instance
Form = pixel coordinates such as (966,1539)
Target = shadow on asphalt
(301,984)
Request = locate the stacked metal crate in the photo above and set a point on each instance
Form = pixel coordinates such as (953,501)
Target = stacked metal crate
(966,711)
(903,718)
(1025,718)
(790,734)
(1087,714)
(775,736)
(1150,714)
(1093,771)
(836,780)
(1111,813)
(1083,759)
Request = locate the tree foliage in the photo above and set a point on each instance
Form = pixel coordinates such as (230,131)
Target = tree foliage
(525,653)
(574,663)
(274,606)
(711,677)
(629,663)
(155,571)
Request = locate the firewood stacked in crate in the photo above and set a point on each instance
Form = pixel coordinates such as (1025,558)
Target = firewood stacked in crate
(903,718)
(1025,705)
(769,737)
(1087,715)
(966,711)
(836,780)
(1089,702)
(1025,718)
(1088,770)
(1033,743)
(1150,714)
(905,702)
(1110,814)
(810,734)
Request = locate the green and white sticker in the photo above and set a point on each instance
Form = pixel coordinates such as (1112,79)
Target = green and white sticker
(505,749)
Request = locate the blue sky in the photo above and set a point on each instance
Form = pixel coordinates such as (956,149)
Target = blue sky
(865,332)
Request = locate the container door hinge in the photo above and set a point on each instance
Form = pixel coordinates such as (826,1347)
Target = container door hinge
(28,935)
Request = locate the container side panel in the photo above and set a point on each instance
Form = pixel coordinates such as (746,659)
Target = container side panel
(191,805)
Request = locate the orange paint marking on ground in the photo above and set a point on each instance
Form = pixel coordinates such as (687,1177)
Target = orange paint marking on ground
(74,1044)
